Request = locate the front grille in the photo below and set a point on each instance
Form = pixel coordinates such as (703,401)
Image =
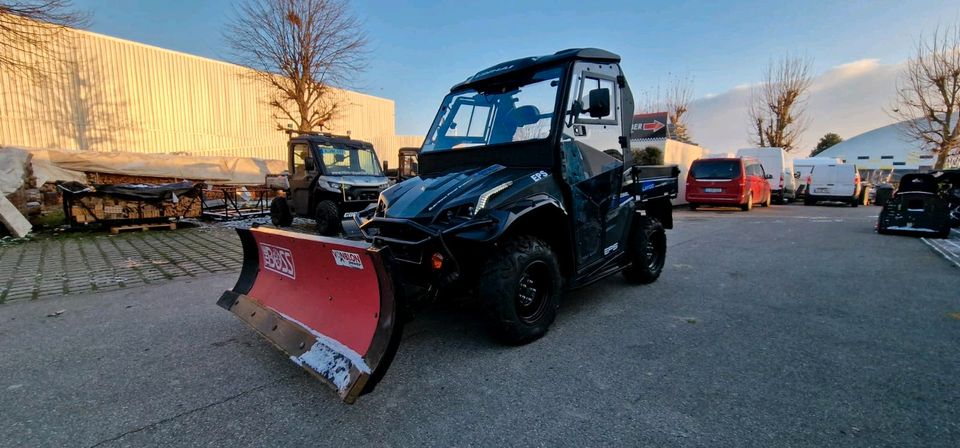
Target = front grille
(362,194)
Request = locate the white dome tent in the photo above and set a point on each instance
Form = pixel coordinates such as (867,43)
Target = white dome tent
(886,148)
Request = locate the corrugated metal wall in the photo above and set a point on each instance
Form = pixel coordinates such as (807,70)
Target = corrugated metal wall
(117,95)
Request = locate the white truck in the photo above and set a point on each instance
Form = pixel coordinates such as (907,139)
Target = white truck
(777,162)
(803,167)
(837,182)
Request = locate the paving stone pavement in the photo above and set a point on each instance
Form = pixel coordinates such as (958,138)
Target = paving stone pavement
(72,263)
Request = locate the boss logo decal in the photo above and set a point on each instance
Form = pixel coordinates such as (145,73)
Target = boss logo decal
(278,259)
(347,259)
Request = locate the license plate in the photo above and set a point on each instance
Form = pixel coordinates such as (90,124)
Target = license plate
(350,214)
(821,190)
(712,190)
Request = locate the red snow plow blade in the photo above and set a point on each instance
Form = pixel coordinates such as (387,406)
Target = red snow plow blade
(326,302)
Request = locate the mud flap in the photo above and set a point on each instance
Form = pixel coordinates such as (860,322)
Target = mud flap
(328,303)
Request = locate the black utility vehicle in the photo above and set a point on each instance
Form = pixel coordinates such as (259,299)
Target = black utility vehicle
(329,176)
(925,204)
(407,165)
(527,186)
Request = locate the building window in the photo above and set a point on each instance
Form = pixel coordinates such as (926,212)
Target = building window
(899,163)
(886,157)
(844,160)
(863,157)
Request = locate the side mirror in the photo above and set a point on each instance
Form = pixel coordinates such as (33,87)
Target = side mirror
(768,176)
(599,103)
(309,165)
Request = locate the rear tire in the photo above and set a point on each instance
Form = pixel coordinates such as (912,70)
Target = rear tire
(520,290)
(280,214)
(693,206)
(767,202)
(808,200)
(749,205)
(647,251)
(327,218)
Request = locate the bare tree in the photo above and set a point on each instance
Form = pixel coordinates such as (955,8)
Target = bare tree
(776,106)
(31,33)
(304,49)
(677,101)
(674,99)
(928,94)
(757,111)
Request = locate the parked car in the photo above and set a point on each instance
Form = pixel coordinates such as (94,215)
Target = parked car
(779,164)
(738,181)
(802,169)
(838,182)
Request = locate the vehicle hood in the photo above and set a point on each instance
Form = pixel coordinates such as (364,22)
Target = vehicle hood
(357,181)
(426,196)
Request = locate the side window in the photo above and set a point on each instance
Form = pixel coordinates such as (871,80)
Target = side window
(302,159)
(469,121)
(590,83)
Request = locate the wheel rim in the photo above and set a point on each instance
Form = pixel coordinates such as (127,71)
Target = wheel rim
(534,289)
(652,251)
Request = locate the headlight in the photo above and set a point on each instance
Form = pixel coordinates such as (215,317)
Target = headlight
(334,185)
(485,197)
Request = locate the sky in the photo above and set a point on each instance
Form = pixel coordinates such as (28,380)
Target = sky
(421,48)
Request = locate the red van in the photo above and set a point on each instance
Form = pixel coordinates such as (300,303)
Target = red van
(737,181)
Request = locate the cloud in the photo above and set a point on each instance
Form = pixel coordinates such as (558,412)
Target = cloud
(848,99)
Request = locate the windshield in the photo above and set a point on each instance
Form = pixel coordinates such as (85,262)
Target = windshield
(346,162)
(501,113)
(720,169)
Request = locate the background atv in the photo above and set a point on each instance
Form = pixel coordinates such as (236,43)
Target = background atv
(328,177)
(407,165)
(526,188)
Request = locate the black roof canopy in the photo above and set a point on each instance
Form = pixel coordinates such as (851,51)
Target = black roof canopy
(332,140)
(506,69)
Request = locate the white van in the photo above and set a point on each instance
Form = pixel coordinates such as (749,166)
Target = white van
(837,182)
(802,168)
(776,161)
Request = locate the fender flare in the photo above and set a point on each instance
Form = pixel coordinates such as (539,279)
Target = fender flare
(502,219)
(516,215)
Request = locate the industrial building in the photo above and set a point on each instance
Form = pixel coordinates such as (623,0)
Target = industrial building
(116,95)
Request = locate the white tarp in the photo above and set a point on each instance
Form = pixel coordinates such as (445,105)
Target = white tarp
(58,164)
(13,168)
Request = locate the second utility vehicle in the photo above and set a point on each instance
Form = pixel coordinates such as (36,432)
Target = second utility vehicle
(328,176)
(526,187)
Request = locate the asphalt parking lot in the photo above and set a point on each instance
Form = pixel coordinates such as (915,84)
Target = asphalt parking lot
(787,326)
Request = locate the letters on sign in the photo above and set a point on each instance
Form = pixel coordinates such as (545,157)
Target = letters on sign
(347,259)
(278,259)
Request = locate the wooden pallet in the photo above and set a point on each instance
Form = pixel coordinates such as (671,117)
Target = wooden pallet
(143,227)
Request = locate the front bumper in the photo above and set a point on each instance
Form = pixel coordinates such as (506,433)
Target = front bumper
(413,245)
